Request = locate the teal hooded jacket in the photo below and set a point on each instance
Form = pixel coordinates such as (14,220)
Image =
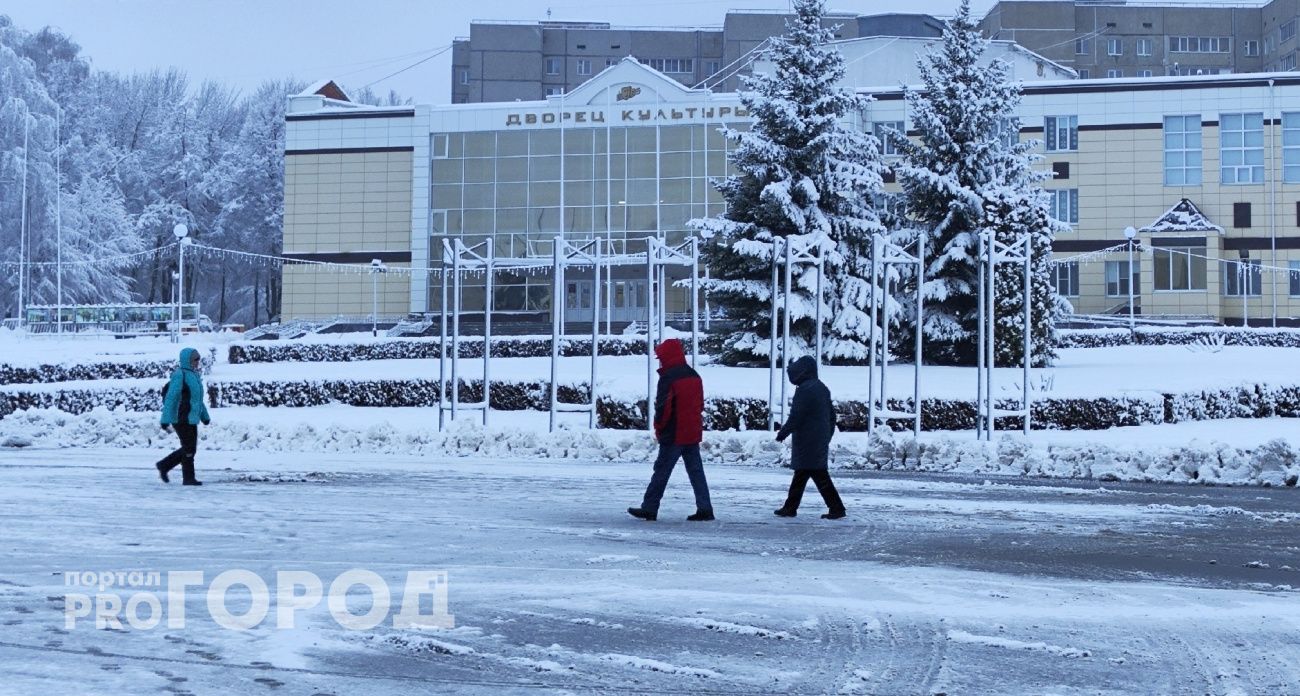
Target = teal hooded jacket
(183,375)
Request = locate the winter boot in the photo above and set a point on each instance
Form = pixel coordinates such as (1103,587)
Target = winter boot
(642,514)
(785,512)
(192,482)
(701,516)
(834,515)
(162,472)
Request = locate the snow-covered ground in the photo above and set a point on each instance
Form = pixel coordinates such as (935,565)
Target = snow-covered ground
(958,586)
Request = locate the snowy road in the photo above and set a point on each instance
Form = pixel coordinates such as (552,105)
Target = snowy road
(932,585)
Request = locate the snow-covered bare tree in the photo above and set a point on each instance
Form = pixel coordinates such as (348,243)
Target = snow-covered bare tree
(966,173)
(804,174)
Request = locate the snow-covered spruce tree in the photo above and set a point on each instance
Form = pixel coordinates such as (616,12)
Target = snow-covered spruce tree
(968,173)
(801,173)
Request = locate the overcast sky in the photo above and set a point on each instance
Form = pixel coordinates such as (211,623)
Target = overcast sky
(242,42)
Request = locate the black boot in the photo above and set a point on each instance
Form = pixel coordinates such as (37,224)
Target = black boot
(701,516)
(785,512)
(192,482)
(834,515)
(642,514)
(162,472)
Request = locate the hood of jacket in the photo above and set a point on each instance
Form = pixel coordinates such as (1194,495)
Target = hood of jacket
(804,368)
(670,353)
(187,354)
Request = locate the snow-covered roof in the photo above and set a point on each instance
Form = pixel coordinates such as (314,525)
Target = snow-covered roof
(326,88)
(1183,217)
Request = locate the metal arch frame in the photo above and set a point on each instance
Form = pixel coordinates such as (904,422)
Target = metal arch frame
(659,255)
(563,255)
(991,253)
(464,259)
(789,258)
(883,255)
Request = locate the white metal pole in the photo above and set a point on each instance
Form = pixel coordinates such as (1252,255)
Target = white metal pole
(695,301)
(58,207)
(1244,284)
(649,334)
(557,327)
(455,328)
(979,350)
(991,361)
(595,326)
(1132,323)
(374,303)
(489,289)
(442,337)
(785,327)
(771,358)
(22,228)
(817,348)
(876,296)
(920,318)
(1028,328)
(180,287)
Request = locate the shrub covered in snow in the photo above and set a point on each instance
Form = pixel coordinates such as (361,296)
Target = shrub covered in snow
(427,348)
(38,374)
(1177,336)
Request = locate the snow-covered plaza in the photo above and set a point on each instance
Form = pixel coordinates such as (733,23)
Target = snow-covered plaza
(931,585)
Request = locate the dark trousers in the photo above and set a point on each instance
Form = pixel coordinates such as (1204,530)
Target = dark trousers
(184,455)
(822,478)
(667,459)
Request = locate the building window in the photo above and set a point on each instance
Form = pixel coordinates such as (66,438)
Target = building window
(1286,31)
(1084,74)
(1144,73)
(610,61)
(1250,48)
(881,130)
(1268,45)
(1144,47)
(1062,133)
(1114,73)
(1180,269)
(1008,131)
(1065,205)
(1183,150)
(1200,44)
(1238,275)
(1066,278)
(553,66)
(671,65)
(1294,277)
(554,91)
(1119,279)
(1241,215)
(1114,47)
(584,66)
(1291,147)
(439,145)
(1083,47)
(1241,148)
(711,67)
(1287,62)
(464,77)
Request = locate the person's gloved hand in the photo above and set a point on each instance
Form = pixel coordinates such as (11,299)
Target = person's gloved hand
(207,421)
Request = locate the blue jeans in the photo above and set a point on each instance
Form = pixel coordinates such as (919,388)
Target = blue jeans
(668,456)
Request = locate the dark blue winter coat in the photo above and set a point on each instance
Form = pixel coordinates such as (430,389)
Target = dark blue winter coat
(184,382)
(811,419)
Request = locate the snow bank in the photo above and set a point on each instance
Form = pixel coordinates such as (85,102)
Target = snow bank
(1275,462)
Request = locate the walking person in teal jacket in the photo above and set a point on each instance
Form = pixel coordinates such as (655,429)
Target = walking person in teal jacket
(183,410)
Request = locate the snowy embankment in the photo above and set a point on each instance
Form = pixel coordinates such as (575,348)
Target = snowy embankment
(1262,453)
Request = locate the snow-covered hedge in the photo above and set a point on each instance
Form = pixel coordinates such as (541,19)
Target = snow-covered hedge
(1176,336)
(426,348)
(1274,463)
(722,413)
(14,374)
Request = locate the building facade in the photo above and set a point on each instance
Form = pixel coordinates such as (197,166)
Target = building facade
(1206,169)
(528,61)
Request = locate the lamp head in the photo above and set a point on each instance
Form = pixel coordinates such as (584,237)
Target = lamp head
(1130,232)
(181,231)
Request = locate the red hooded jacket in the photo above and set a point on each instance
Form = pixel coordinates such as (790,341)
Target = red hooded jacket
(679,401)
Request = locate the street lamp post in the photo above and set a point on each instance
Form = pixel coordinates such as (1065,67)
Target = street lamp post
(376,267)
(1130,234)
(182,238)
(22,228)
(1243,282)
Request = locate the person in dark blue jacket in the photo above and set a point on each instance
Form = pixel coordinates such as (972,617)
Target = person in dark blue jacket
(182,411)
(812,423)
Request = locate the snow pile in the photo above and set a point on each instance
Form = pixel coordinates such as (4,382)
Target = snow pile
(351,350)
(1273,463)
(1178,336)
(1010,644)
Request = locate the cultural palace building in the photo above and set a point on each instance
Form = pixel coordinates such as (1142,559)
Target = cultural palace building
(1206,169)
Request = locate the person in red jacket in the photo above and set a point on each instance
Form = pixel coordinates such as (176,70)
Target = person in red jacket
(679,427)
